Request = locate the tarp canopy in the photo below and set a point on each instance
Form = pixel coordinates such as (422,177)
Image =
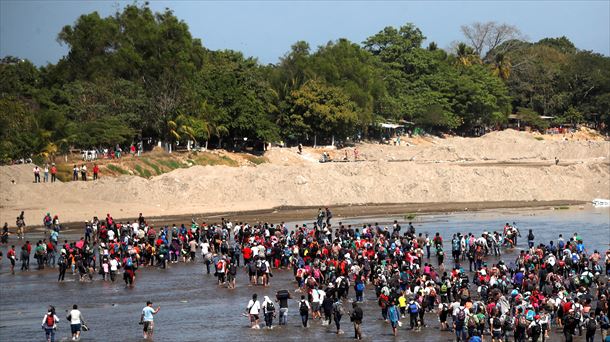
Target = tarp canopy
(390,125)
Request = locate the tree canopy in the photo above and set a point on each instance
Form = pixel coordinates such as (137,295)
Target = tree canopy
(139,74)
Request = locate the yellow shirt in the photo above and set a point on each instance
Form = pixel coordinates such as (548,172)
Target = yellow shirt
(402,302)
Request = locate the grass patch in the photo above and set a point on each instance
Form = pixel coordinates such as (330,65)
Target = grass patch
(117,169)
(228,161)
(213,159)
(255,160)
(562,208)
(152,165)
(142,171)
(64,172)
(539,138)
(171,164)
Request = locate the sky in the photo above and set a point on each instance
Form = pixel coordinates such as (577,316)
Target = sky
(267,29)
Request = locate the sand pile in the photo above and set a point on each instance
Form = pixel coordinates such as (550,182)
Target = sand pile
(507,145)
(299,180)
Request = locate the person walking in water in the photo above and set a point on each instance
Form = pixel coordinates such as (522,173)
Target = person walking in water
(147,319)
(49,324)
(253,310)
(356,318)
(76,322)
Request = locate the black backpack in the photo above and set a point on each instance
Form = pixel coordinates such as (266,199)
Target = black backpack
(536,330)
(303,309)
(270,307)
(591,325)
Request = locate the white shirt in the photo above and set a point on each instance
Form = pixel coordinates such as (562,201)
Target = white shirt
(205,248)
(75,317)
(113,264)
(255,307)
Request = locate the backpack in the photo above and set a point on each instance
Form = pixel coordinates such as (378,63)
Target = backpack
(591,325)
(50,320)
(360,287)
(219,265)
(444,288)
(497,323)
(338,309)
(461,315)
(270,307)
(472,322)
(343,283)
(508,324)
(522,323)
(570,321)
(536,330)
(263,267)
(413,308)
(129,262)
(303,309)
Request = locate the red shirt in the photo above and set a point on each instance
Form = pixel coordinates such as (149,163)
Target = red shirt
(53,170)
(96,169)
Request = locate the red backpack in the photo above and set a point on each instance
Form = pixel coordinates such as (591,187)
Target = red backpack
(50,320)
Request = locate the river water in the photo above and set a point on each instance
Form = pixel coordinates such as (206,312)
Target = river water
(194,308)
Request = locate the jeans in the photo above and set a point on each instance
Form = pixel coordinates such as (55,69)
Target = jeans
(413,320)
(304,319)
(283,316)
(50,333)
(269,319)
(359,296)
(338,321)
(590,337)
(460,334)
(51,259)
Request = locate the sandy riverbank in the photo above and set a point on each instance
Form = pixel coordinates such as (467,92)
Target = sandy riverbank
(505,169)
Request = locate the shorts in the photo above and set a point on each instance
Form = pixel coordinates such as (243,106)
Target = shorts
(315,306)
(496,333)
(253,318)
(75,328)
(149,326)
(394,324)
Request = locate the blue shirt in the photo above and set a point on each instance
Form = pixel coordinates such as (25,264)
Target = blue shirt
(148,314)
(393,313)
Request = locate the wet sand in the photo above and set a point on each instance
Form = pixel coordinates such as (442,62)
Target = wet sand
(194,308)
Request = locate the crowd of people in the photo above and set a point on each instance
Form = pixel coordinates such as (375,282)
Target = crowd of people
(557,285)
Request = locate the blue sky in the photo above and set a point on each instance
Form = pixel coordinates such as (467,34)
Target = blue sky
(267,29)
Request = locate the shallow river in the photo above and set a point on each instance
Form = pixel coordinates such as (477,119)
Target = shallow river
(193,308)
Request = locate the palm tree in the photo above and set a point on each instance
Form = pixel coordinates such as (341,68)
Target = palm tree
(465,55)
(181,128)
(501,66)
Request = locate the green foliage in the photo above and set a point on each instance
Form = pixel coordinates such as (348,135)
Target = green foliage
(152,165)
(531,118)
(117,169)
(142,172)
(322,110)
(140,74)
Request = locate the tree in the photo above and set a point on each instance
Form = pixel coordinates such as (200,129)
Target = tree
(390,43)
(531,118)
(466,55)
(501,66)
(486,37)
(322,111)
